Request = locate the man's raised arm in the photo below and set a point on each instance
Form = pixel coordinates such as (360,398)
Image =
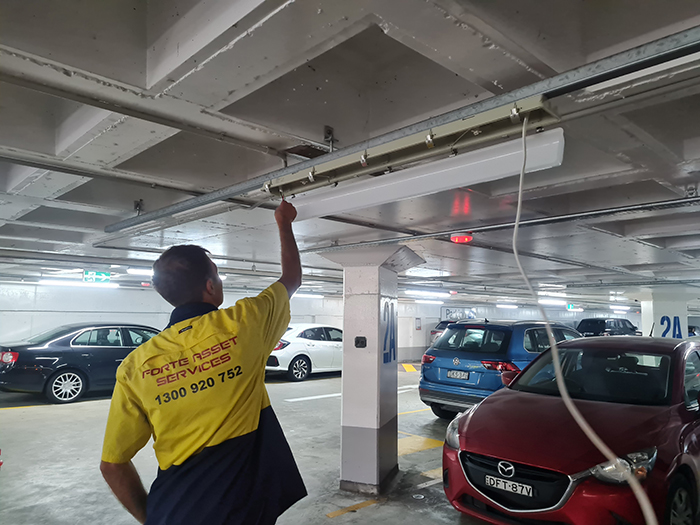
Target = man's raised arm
(291,264)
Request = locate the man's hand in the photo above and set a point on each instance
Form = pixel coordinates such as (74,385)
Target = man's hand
(291,265)
(126,484)
(285,213)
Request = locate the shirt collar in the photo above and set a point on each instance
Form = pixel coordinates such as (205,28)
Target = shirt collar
(188,311)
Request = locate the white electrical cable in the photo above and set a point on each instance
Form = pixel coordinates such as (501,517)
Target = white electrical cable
(642,498)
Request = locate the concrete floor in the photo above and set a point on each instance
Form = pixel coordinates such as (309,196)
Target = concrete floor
(51,456)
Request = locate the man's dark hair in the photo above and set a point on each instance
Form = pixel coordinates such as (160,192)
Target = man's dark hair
(180,275)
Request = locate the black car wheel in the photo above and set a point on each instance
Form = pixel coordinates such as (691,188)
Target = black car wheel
(681,506)
(299,368)
(442,413)
(66,386)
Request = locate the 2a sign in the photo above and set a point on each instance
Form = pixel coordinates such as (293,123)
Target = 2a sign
(667,326)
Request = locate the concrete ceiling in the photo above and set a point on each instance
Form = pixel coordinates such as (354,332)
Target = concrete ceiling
(127,104)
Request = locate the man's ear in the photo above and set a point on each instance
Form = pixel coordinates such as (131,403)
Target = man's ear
(211,288)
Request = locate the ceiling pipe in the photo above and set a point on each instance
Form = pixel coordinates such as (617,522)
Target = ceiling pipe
(647,55)
(595,214)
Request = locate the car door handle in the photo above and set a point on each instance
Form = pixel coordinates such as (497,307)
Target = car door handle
(86,355)
(311,344)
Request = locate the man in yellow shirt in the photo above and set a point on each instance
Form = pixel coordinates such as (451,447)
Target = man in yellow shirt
(198,389)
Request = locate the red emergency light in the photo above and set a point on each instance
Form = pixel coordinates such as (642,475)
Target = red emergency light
(461,238)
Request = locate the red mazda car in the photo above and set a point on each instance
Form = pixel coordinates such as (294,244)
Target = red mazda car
(519,458)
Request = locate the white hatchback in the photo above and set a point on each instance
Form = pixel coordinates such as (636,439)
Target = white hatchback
(305,349)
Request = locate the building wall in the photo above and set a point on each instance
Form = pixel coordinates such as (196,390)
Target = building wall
(30,309)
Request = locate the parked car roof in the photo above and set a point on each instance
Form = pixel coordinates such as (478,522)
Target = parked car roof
(499,322)
(627,344)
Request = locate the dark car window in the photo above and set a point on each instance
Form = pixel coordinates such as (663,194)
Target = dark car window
(473,339)
(691,382)
(601,375)
(50,335)
(83,339)
(442,325)
(139,336)
(100,337)
(334,334)
(569,335)
(595,326)
(314,334)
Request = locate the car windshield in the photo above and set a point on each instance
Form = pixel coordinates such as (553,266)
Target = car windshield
(473,339)
(49,335)
(592,325)
(633,378)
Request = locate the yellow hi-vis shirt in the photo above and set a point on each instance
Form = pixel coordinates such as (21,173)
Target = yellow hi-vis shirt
(198,383)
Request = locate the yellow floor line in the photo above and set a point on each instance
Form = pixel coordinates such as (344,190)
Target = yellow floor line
(436,473)
(409,368)
(413,444)
(413,411)
(352,508)
(28,406)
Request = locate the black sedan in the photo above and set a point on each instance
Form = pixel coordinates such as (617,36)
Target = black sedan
(66,362)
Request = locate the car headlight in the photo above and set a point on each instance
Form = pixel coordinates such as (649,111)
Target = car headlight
(452,434)
(639,464)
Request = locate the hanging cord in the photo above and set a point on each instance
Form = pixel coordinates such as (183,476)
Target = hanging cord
(642,498)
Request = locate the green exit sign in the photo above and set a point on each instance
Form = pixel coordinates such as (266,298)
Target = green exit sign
(569,306)
(96,277)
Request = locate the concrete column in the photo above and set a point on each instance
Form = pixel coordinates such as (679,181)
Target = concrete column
(369,459)
(665,314)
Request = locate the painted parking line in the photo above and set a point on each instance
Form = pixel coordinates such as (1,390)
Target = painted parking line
(408,368)
(28,406)
(413,411)
(401,390)
(436,473)
(428,483)
(352,508)
(412,444)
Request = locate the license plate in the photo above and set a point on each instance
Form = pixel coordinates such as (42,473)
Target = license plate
(457,374)
(510,486)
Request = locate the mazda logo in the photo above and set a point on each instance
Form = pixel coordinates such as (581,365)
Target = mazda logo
(456,361)
(505,469)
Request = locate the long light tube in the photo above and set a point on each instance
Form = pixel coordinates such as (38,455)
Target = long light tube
(428,301)
(619,307)
(545,150)
(507,306)
(52,282)
(139,271)
(422,293)
(552,302)
(307,296)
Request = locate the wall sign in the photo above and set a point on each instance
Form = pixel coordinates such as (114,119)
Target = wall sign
(389,317)
(96,277)
(455,314)
(418,325)
(671,329)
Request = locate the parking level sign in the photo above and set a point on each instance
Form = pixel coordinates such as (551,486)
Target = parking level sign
(96,277)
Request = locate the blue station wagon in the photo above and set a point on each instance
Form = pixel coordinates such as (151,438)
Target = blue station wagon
(464,365)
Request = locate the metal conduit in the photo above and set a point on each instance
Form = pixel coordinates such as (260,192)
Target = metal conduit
(595,214)
(647,55)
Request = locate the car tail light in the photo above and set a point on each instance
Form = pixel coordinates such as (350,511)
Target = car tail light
(282,344)
(501,366)
(427,359)
(8,357)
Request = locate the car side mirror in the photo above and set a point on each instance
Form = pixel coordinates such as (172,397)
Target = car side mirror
(508,377)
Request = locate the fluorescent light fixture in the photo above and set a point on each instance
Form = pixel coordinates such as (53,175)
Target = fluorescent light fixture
(619,307)
(222,277)
(552,294)
(426,272)
(140,271)
(551,285)
(308,296)
(646,72)
(51,282)
(507,300)
(552,302)
(115,265)
(422,293)
(544,150)
(576,310)
(618,312)
(507,306)
(428,301)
